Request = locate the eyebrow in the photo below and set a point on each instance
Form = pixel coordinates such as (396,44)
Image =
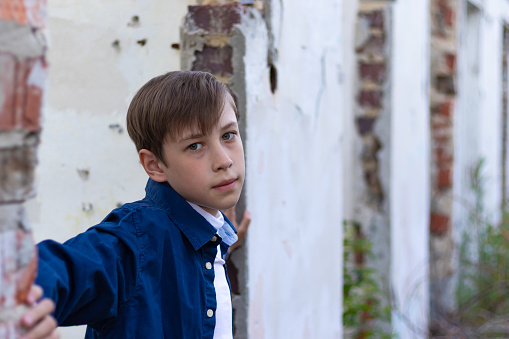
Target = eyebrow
(229,125)
(200,135)
(191,136)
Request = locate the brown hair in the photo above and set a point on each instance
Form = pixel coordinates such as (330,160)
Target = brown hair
(170,103)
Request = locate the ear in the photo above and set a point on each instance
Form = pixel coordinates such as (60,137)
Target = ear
(152,165)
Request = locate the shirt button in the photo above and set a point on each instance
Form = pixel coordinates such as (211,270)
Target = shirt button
(214,238)
(208,265)
(210,313)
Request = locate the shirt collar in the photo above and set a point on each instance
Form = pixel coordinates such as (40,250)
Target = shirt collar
(217,222)
(194,226)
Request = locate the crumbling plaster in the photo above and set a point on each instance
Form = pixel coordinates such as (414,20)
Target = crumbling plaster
(99,55)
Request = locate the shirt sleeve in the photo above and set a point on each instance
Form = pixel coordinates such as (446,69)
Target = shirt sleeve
(90,277)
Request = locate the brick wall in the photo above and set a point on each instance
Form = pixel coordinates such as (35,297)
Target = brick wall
(372,95)
(372,118)
(22,75)
(443,77)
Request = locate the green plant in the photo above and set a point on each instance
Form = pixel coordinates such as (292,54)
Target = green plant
(483,277)
(363,309)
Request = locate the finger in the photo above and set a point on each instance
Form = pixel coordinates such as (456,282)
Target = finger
(38,312)
(45,328)
(242,230)
(34,294)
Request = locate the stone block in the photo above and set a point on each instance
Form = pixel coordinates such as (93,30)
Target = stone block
(215,60)
(17,167)
(375,19)
(365,125)
(444,177)
(376,72)
(20,92)
(439,223)
(24,12)
(215,19)
(370,98)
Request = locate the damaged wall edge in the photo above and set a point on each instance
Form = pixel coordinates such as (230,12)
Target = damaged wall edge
(214,39)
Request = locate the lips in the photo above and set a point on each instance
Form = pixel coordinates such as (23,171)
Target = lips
(226,184)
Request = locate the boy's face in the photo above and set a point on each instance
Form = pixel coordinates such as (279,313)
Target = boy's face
(207,170)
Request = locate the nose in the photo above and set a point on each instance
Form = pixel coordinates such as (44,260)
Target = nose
(221,159)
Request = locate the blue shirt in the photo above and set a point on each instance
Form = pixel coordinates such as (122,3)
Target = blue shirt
(142,272)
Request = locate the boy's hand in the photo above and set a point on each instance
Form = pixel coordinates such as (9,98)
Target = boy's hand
(241,228)
(37,321)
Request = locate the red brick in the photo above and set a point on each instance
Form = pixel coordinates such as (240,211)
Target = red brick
(446,108)
(217,61)
(442,156)
(444,177)
(370,98)
(450,62)
(365,125)
(22,105)
(373,72)
(439,223)
(24,12)
(7,87)
(215,19)
(26,275)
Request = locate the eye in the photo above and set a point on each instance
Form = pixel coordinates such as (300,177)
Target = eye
(194,147)
(228,136)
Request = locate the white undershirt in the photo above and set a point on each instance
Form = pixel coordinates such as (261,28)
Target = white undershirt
(223,328)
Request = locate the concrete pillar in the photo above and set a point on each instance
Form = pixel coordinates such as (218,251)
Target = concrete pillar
(213,40)
(284,67)
(392,123)
(22,76)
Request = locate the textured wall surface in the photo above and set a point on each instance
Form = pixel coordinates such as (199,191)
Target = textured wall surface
(443,102)
(100,54)
(409,167)
(22,80)
(294,176)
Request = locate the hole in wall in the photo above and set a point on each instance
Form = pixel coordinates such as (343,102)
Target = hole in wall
(273,78)
(135,21)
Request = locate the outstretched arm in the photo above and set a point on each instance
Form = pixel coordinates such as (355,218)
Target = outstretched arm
(38,321)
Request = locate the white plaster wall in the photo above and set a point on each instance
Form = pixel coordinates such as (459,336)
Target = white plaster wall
(353,182)
(409,183)
(490,78)
(90,86)
(481,138)
(294,175)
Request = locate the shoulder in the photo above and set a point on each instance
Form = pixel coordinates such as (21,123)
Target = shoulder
(141,219)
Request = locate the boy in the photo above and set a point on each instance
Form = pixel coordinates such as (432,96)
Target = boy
(155,268)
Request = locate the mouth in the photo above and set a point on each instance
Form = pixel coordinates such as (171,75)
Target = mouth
(226,185)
